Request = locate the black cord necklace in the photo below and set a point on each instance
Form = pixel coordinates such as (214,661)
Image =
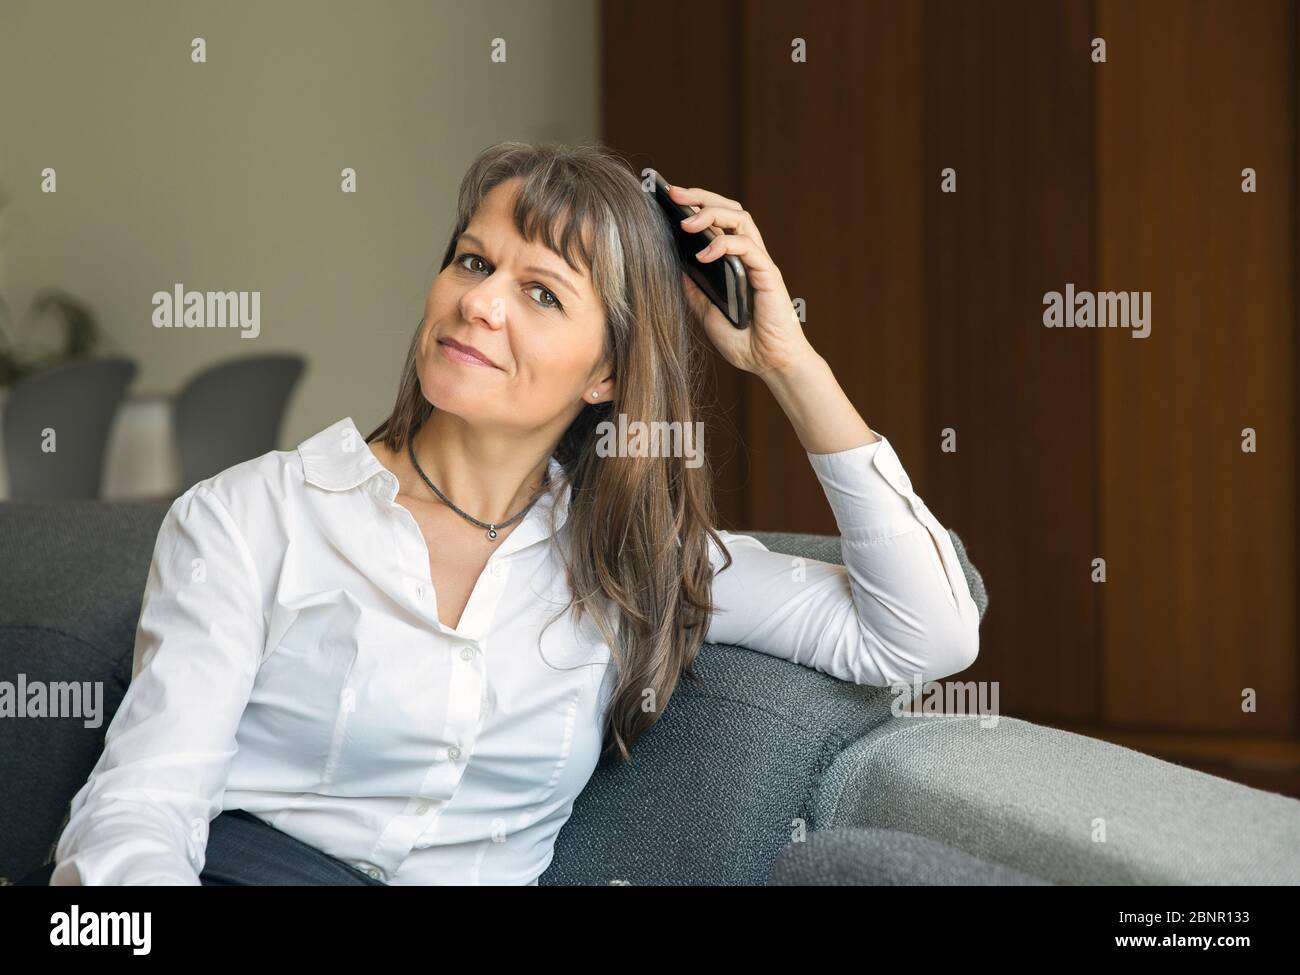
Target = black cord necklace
(491,528)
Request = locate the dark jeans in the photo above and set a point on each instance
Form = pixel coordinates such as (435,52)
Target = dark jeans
(244,851)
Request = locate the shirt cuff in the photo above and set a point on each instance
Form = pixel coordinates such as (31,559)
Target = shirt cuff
(868,490)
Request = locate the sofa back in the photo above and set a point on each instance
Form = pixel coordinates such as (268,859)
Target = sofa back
(712,794)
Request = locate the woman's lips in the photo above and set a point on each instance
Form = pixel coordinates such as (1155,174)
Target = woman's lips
(463,354)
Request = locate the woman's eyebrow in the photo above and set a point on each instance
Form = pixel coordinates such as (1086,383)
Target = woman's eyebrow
(532,269)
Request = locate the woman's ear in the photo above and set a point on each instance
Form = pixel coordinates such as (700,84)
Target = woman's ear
(602,390)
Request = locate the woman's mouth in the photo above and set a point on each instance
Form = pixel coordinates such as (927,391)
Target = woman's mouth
(464,354)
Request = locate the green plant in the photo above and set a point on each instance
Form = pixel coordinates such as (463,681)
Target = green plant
(81,336)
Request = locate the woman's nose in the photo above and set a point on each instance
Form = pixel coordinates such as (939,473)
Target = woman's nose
(484,302)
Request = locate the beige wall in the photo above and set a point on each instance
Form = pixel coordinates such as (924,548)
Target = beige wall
(225,176)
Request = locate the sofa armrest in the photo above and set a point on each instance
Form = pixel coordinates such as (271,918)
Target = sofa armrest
(858,856)
(1060,806)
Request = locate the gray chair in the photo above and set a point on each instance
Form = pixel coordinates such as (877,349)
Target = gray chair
(78,401)
(232,412)
(759,771)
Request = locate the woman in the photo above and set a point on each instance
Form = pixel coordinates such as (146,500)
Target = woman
(407,652)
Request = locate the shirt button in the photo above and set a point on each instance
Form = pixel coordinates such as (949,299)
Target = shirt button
(453,753)
(466,653)
(376,873)
(498,570)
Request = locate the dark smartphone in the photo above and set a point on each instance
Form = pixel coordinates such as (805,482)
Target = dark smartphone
(722,279)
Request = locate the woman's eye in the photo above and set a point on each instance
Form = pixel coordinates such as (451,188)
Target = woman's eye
(554,302)
(472,257)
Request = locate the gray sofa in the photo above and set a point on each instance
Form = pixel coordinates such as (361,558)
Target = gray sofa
(760,771)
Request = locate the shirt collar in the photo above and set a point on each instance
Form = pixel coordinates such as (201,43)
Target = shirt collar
(339,459)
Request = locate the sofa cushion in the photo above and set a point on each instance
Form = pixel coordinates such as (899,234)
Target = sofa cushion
(71,583)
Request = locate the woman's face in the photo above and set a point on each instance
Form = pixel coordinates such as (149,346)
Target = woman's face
(522,307)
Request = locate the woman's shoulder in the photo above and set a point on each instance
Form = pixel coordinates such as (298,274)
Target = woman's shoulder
(279,473)
(259,493)
(267,496)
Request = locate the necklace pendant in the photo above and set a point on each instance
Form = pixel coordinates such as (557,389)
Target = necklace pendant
(492,532)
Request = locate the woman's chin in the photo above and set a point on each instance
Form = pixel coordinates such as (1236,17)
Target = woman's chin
(459,398)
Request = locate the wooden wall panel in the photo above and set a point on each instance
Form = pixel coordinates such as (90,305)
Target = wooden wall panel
(1072,443)
(1008,105)
(832,150)
(1200,538)
(929,305)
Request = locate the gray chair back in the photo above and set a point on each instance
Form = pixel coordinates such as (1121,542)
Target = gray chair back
(78,401)
(232,412)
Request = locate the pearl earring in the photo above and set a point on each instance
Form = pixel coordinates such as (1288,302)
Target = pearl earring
(595,394)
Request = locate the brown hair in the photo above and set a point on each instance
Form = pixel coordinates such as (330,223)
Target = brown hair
(639,527)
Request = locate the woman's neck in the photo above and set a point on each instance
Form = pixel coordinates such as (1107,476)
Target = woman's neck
(490,477)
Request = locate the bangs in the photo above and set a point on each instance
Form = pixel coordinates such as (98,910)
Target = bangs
(560,210)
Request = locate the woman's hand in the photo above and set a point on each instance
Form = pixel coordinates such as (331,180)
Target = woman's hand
(773,347)
(774,340)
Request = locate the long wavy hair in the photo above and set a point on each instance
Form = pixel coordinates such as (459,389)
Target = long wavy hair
(637,558)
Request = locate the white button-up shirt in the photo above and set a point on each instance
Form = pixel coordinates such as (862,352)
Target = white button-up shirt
(289,661)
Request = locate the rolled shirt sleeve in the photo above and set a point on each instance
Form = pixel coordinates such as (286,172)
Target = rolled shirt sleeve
(899,607)
(142,816)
